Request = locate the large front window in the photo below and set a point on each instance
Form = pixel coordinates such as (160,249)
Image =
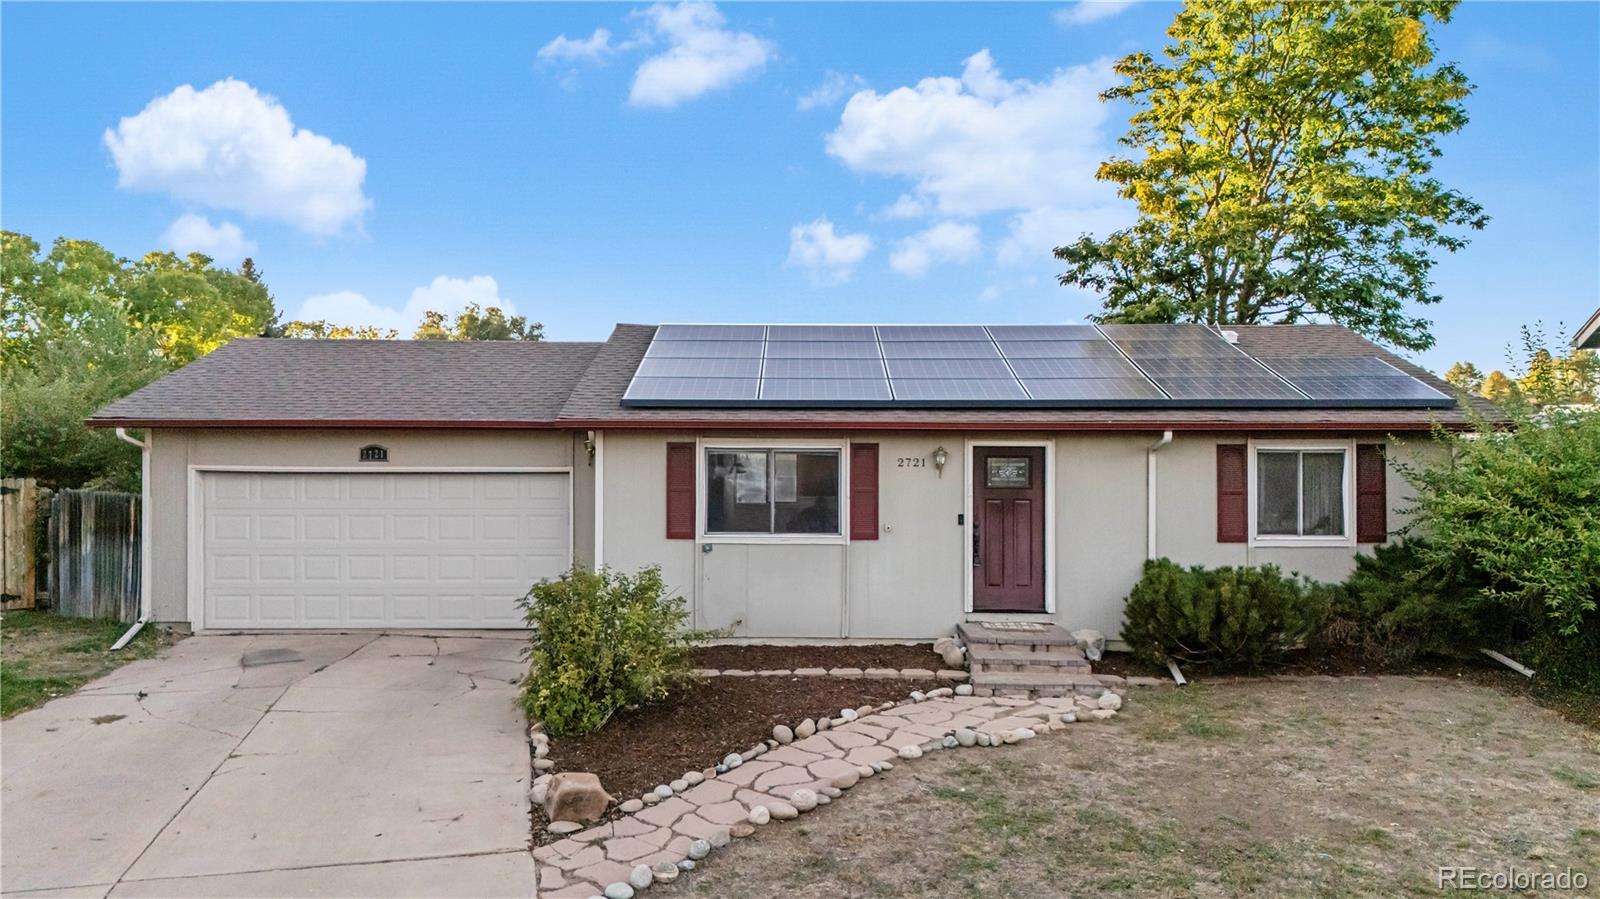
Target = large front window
(1300,493)
(772,491)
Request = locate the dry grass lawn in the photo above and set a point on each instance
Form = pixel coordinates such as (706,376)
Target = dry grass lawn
(1307,787)
(43,656)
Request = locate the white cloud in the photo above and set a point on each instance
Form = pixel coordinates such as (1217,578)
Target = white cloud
(594,48)
(1035,233)
(701,55)
(906,206)
(944,242)
(444,294)
(983,144)
(980,143)
(231,147)
(1084,12)
(834,87)
(223,242)
(830,257)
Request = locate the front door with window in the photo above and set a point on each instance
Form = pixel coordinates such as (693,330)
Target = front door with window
(1008,529)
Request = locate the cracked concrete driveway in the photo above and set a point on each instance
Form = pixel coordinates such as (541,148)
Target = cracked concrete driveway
(347,765)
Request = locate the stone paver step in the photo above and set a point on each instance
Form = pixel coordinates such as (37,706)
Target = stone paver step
(1043,684)
(1030,634)
(1067,656)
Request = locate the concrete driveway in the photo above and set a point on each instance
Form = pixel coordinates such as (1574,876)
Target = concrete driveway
(275,765)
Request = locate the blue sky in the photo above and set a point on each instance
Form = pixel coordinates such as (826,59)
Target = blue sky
(769,162)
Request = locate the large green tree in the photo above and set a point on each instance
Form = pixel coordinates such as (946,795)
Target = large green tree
(1283,170)
(82,327)
(476,323)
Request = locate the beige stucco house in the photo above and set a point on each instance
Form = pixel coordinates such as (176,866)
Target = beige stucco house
(793,483)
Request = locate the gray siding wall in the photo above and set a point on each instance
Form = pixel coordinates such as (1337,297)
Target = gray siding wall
(910,582)
(174,451)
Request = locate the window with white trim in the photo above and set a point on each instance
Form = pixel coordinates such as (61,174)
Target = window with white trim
(1300,492)
(772,491)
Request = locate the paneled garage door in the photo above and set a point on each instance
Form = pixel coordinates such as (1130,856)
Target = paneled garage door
(315,550)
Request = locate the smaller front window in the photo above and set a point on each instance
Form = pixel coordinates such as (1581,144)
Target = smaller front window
(1300,493)
(771,491)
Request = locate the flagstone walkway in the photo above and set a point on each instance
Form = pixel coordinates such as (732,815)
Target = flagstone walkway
(618,858)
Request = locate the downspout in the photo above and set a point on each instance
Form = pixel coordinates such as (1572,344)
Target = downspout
(144,537)
(1150,493)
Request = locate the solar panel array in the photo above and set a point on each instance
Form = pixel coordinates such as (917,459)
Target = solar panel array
(1046,366)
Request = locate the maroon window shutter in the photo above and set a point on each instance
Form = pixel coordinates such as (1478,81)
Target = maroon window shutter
(1233,511)
(1372,494)
(680,491)
(863,491)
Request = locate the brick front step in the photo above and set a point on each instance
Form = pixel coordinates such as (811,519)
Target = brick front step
(992,657)
(1032,636)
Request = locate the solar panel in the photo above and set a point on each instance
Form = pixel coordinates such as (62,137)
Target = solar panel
(1045,332)
(1058,349)
(785,333)
(940,349)
(822,349)
(888,333)
(1091,389)
(711,332)
(949,389)
(705,349)
(1117,367)
(1175,366)
(824,389)
(676,367)
(1264,387)
(1236,365)
(948,368)
(823,368)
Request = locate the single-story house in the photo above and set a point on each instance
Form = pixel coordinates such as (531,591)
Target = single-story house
(794,482)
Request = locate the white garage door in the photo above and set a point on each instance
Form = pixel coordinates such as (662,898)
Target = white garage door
(284,550)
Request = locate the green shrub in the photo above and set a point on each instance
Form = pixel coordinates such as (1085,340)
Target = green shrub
(1519,512)
(1395,607)
(601,641)
(1227,618)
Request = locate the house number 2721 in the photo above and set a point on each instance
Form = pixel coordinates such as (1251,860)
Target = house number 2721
(912,462)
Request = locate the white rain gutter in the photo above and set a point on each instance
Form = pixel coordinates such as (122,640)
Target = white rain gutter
(144,537)
(1150,493)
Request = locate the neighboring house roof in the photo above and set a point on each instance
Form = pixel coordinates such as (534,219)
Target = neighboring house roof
(361,383)
(511,384)
(1588,336)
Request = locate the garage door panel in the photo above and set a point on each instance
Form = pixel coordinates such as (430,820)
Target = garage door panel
(378,550)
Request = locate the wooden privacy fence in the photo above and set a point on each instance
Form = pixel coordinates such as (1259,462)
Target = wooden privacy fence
(19,529)
(94,554)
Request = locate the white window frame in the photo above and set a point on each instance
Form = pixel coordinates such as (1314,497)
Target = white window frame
(705,446)
(1348,448)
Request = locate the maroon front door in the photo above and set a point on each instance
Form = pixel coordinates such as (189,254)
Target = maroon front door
(1008,529)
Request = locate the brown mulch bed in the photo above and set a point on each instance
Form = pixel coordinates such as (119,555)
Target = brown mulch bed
(697,725)
(758,658)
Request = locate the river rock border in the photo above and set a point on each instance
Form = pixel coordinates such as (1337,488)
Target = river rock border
(669,830)
(944,674)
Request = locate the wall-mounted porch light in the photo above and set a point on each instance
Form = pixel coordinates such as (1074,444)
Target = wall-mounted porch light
(939,458)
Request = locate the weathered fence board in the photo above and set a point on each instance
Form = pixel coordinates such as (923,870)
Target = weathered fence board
(19,511)
(94,559)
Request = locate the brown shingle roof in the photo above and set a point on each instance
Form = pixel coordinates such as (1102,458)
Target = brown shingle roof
(506,383)
(596,402)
